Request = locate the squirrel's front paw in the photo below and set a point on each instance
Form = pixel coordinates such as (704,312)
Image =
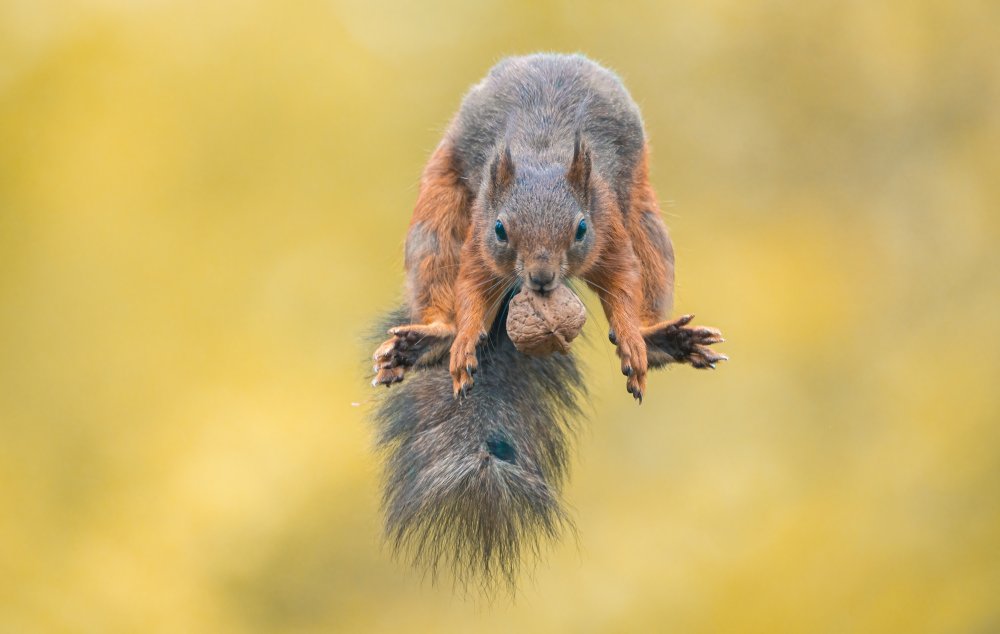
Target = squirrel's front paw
(410,345)
(675,342)
(464,363)
(632,352)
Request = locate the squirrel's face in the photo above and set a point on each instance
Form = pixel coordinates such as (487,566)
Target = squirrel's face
(536,221)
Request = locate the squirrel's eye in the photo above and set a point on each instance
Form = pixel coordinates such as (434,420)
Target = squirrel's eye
(500,231)
(581,230)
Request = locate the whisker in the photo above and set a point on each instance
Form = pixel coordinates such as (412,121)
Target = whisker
(573,285)
(497,283)
(491,282)
(617,296)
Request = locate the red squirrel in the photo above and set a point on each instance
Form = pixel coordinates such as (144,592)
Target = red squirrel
(540,178)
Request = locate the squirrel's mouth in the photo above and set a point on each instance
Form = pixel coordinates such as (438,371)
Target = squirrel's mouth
(542,289)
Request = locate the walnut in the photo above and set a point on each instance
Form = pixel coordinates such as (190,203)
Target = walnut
(540,325)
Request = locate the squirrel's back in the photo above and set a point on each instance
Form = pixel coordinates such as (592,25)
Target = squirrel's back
(537,104)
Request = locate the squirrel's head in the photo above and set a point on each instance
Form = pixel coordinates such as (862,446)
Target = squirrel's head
(536,220)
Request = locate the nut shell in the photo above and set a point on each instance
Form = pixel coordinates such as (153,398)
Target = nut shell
(540,325)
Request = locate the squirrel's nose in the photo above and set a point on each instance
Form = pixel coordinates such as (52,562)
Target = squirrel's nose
(541,281)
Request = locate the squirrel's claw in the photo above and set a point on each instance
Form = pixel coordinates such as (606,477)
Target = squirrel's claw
(675,342)
(464,364)
(682,321)
(703,357)
(632,351)
(463,381)
(414,344)
(388,376)
(462,384)
(634,389)
(636,385)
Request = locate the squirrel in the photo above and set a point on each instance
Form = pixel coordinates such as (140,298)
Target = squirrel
(542,177)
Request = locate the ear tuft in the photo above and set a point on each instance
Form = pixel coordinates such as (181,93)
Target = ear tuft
(501,172)
(579,169)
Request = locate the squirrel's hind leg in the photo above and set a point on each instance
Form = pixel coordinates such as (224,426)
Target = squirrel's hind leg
(675,342)
(652,246)
(413,345)
(666,341)
(432,255)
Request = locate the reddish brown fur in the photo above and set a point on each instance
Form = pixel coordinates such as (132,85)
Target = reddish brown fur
(454,295)
(477,482)
(613,271)
(443,209)
(651,244)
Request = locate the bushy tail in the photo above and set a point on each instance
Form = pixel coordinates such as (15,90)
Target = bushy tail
(476,483)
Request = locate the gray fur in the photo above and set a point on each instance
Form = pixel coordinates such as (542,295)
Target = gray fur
(421,242)
(536,105)
(475,484)
(660,299)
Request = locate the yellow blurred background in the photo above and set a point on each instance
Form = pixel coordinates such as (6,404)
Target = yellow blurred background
(202,208)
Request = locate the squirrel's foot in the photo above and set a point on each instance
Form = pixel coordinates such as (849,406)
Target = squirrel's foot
(675,342)
(632,352)
(464,362)
(410,345)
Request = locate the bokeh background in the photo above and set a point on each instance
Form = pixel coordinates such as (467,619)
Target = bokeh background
(202,206)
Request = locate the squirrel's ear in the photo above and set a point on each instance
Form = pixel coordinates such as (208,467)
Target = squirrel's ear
(579,170)
(501,172)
